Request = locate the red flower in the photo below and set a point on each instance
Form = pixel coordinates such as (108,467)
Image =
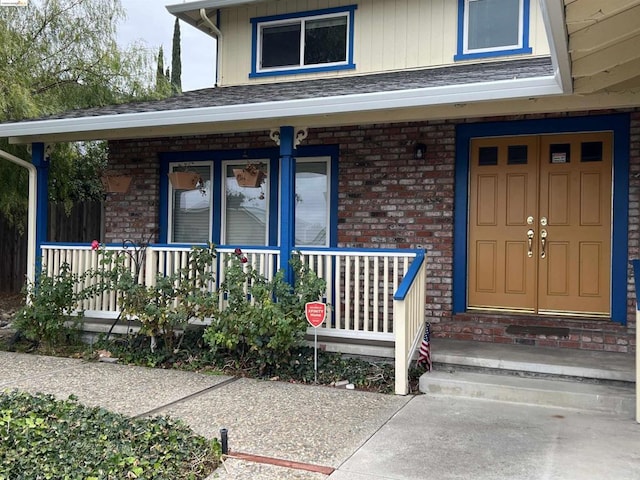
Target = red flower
(244,260)
(237,251)
(95,245)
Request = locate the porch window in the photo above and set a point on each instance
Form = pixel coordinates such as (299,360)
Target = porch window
(246,208)
(190,210)
(306,42)
(312,202)
(488,28)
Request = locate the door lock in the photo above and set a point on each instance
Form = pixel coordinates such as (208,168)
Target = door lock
(543,221)
(529,220)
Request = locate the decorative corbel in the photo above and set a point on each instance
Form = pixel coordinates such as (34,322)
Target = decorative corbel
(301,134)
(275,135)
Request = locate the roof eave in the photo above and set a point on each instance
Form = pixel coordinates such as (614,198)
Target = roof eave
(25,132)
(555,24)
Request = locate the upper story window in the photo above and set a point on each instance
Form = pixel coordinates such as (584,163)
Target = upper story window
(489,28)
(314,41)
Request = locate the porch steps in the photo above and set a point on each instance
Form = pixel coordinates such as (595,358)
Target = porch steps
(566,378)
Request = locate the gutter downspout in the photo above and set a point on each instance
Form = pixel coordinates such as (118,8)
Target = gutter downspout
(31,217)
(218,34)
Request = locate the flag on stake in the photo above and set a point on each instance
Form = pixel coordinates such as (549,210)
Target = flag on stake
(424,353)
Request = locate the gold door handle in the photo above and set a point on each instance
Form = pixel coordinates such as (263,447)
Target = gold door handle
(543,242)
(530,234)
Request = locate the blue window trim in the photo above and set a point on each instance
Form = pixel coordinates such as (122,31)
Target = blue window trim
(349,65)
(619,124)
(219,156)
(460,55)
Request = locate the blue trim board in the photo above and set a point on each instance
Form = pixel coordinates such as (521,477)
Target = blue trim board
(288,201)
(349,65)
(163,208)
(525,49)
(619,124)
(42,198)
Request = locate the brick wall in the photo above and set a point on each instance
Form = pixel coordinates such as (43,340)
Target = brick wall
(387,199)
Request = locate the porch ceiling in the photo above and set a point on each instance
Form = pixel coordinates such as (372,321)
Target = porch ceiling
(603,44)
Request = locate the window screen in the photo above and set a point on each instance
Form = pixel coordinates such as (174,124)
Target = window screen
(312,202)
(191,209)
(246,209)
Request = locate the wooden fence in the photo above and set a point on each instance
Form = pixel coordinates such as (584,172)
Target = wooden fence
(81,225)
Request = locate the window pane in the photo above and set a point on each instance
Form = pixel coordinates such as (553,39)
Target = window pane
(245,216)
(493,23)
(191,215)
(312,205)
(325,40)
(281,45)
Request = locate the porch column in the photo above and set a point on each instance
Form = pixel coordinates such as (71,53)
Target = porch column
(41,162)
(287,200)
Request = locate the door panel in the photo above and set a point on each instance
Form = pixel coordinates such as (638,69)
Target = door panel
(555,189)
(575,197)
(501,274)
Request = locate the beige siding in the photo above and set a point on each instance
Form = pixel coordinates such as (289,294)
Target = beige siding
(389,35)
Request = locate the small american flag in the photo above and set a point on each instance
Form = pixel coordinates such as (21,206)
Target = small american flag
(424,353)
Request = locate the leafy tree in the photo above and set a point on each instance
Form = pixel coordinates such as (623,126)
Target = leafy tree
(176,62)
(58,55)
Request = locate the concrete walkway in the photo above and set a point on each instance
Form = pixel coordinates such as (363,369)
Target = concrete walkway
(363,436)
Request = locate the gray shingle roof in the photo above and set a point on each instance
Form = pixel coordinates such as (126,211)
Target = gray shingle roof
(330,87)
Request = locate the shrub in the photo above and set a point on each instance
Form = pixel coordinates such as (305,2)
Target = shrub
(262,321)
(167,305)
(51,312)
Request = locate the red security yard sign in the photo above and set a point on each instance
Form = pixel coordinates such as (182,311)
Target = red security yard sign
(315,312)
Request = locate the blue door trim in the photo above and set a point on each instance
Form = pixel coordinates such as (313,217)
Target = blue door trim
(619,124)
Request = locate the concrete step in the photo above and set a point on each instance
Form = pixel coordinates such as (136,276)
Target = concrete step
(595,381)
(617,399)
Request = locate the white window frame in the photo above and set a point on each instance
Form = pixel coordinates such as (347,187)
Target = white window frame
(302,21)
(172,167)
(223,203)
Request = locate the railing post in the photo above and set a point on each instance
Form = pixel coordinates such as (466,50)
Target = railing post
(150,268)
(401,347)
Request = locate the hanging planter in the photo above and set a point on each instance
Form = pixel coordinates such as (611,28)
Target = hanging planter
(249,176)
(184,180)
(116,183)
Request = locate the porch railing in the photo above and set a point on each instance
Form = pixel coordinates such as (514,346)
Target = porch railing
(373,294)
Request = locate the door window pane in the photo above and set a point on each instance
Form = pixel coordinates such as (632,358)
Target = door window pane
(191,209)
(246,208)
(312,202)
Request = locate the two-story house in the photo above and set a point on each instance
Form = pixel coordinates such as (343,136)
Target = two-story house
(501,137)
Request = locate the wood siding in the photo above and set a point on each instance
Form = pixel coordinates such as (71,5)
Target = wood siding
(389,35)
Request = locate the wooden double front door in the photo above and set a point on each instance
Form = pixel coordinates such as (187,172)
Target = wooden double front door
(540,224)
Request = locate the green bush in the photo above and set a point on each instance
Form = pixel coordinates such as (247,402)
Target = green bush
(263,321)
(43,438)
(51,301)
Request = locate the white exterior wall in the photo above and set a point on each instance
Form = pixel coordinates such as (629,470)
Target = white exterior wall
(389,35)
